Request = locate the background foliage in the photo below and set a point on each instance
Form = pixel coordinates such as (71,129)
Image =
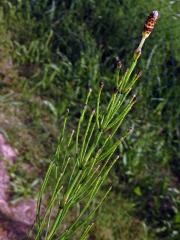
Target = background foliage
(59,50)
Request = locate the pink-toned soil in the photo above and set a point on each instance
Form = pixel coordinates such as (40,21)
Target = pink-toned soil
(15,219)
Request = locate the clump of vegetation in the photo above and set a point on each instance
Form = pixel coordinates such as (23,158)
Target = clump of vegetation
(57,50)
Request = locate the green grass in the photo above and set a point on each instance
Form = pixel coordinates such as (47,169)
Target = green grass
(56,56)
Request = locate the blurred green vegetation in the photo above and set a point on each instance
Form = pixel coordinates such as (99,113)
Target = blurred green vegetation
(60,49)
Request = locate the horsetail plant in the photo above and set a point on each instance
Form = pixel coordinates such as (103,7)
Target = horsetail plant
(93,158)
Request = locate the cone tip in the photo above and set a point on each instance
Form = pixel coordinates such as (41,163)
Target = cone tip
(155,13)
